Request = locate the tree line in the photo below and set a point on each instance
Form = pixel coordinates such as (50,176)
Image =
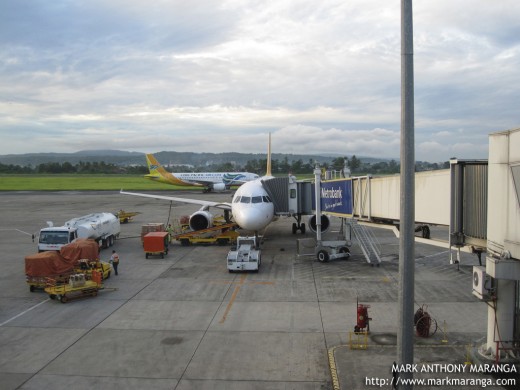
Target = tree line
(354,164)
(67,168)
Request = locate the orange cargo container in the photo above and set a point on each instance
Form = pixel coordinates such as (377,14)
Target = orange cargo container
(156,243)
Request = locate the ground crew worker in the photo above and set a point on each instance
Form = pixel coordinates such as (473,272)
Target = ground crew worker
(170,231)
(114,260)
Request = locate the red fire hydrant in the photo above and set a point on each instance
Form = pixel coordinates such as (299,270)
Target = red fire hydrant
(363,321)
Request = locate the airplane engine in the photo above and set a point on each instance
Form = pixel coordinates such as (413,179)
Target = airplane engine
(219,187)
(201,220)
(325,223)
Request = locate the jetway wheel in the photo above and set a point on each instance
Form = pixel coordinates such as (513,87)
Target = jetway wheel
(323,256)
(344,249)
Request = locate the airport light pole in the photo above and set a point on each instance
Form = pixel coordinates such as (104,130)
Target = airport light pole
(405,336)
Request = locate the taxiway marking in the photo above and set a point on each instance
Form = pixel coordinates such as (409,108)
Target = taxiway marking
(23,312)
(240,283)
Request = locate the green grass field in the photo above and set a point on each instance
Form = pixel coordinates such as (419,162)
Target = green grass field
(90,183)
(80,183)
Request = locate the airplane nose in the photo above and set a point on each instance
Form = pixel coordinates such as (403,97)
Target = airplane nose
(252,219)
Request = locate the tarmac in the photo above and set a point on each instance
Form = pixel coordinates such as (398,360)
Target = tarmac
(184,322)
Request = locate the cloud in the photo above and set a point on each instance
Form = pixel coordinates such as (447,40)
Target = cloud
(322,76)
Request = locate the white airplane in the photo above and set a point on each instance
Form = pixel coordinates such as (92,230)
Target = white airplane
(251,206)
(211,181)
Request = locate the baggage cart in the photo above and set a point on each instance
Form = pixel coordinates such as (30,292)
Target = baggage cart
(77,287)
(156,244)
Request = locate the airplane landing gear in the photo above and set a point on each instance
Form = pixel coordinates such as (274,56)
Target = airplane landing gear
(298,226)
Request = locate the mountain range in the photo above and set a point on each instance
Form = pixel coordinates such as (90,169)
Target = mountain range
(124,158)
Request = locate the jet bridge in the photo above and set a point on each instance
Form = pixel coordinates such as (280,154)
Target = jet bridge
(455,197)
(296,198)
(290,197)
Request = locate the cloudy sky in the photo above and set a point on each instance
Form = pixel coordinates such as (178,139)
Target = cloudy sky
(219,75)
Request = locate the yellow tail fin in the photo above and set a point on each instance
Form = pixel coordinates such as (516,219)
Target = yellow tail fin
(268,173)
(158,173)
(153,165)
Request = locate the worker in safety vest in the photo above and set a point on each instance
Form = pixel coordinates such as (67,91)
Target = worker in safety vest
(170,231)
(114,260)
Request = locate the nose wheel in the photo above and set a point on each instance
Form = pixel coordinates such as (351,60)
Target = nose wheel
(298,226)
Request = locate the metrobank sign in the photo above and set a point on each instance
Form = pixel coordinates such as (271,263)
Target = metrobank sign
(336,197)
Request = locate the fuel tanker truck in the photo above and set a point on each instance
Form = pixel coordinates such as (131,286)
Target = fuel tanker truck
(104,228)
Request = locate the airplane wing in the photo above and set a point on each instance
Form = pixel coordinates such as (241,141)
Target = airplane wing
(205,183)
(236,182)
(210,184)
(227,179)
(203,203)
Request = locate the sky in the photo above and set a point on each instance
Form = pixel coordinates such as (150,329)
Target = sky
(219,75)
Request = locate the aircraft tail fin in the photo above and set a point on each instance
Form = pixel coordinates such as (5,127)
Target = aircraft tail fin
(153,164)
(155,168)
(158,173)
(268,170)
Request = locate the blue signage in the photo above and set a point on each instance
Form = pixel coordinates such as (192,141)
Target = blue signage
(336,197)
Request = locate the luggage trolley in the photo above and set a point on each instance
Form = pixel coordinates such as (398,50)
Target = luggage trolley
(156,244)
(77,287)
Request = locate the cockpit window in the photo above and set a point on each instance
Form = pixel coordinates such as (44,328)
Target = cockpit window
(254,199)
(245,199)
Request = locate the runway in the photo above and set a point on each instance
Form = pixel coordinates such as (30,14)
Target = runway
(184,322)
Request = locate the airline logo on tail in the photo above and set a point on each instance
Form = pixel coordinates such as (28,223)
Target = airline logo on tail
(158,173)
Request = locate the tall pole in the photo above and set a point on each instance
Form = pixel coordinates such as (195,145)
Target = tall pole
(405,335)
(317,195)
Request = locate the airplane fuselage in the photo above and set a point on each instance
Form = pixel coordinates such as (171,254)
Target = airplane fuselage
(211,181)
(228,178)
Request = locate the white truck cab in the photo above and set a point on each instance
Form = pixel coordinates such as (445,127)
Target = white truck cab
(53,238)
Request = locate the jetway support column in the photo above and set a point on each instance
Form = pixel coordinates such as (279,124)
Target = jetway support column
(501,316)
(505,274)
